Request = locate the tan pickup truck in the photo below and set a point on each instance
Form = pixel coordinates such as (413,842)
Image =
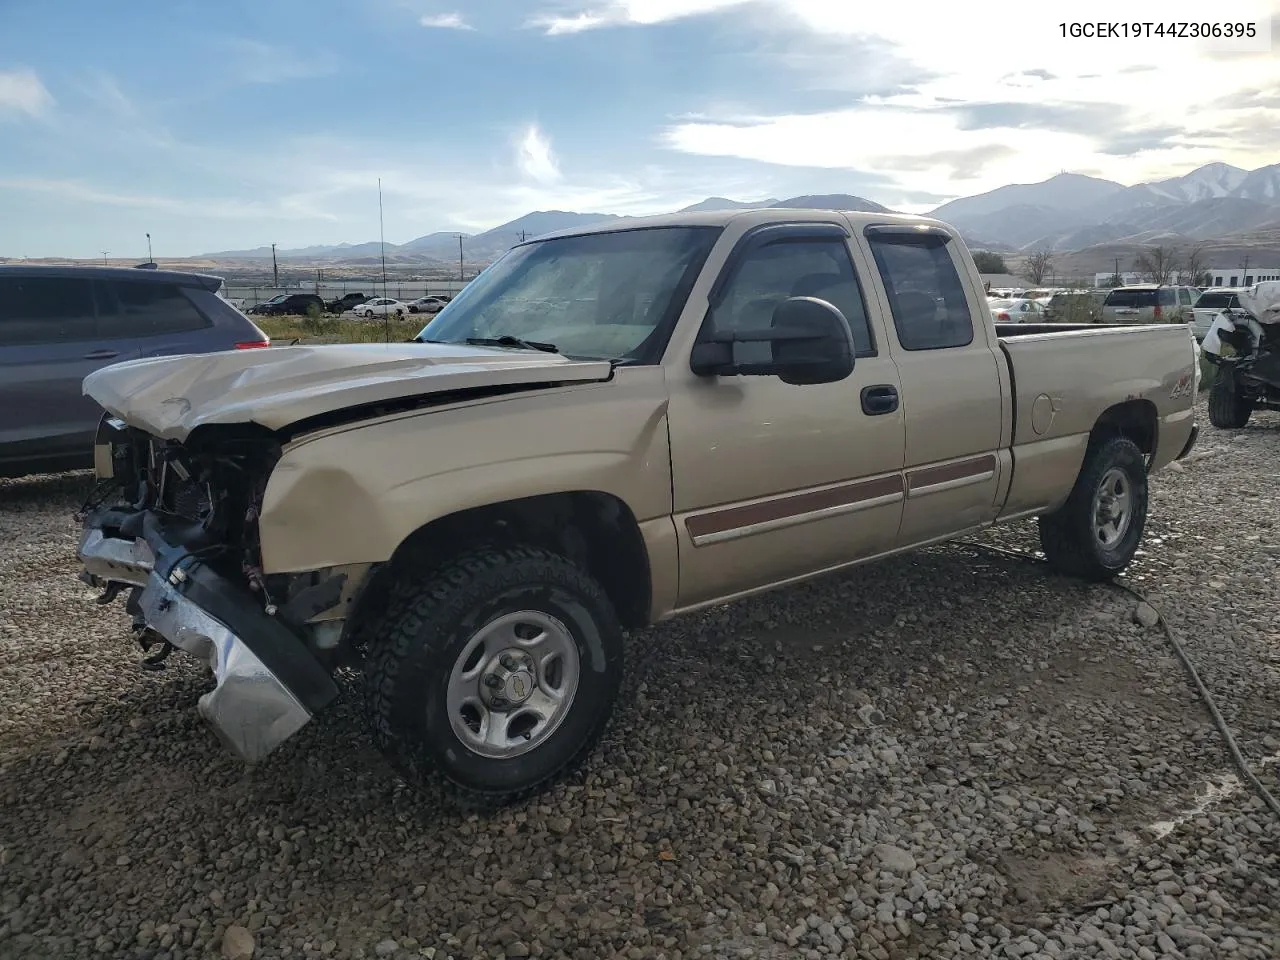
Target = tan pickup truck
(607,428)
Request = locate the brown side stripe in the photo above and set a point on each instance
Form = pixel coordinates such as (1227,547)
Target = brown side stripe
(973,467)
(783,508)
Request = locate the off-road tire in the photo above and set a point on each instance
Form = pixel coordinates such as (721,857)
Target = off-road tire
(1067,535)
(1227,409)
(425,627)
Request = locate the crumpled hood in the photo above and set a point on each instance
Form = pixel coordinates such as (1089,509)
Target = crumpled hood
(277,386)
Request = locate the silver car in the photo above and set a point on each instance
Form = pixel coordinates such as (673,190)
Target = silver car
(1149,303)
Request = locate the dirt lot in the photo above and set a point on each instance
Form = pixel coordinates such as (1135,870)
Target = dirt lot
(944,755)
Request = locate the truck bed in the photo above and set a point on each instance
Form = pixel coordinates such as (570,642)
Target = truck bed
(1065,377)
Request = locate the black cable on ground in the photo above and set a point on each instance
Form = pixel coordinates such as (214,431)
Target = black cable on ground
(1206,697)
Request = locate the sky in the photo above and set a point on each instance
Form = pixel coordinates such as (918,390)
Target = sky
(240,124)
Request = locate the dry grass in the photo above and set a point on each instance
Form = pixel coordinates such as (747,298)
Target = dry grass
(345,329)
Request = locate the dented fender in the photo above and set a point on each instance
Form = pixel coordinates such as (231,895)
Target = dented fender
(352,494)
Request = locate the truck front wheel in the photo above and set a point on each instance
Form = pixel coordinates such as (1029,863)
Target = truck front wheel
(1228,410)
(1095,534)
(499,674)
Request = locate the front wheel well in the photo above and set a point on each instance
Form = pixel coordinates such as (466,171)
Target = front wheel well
(1135,419)
(593,529)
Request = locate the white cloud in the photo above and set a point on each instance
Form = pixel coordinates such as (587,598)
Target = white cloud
(445,21)
(624,12)
(21,92)
(555,26)
(533,154)
(1077,103)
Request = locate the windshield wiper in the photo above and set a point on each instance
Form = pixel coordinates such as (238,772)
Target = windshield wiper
(506,340)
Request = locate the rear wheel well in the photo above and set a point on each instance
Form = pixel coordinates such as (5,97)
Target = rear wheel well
(1135,419)
(595,530)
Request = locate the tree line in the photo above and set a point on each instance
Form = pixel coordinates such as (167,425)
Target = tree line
(1157,264)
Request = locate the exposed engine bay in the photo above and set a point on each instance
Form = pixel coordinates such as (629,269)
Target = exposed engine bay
(205,496)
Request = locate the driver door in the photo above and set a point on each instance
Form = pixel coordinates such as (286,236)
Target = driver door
(774,481)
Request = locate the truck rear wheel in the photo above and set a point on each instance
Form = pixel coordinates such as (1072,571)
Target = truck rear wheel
(1095,534)
(498,675)
(1228,410)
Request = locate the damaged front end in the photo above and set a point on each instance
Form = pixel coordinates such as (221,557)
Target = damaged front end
(176,525)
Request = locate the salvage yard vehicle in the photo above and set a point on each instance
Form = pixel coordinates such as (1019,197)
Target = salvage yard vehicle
(59,323)
(610,426)
(1248,379)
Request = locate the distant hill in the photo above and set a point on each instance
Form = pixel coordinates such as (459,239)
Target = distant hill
(1067,212)
(1066,191)
(832,201)
(1071,212)
(721,203)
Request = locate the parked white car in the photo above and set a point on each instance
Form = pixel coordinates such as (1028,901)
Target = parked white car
(381,307)
(1016,311)
(427,305)
(1209,304)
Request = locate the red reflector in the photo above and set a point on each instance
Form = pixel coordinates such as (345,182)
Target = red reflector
(250,344)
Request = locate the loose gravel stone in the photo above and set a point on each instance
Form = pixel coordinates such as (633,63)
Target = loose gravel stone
(945,755)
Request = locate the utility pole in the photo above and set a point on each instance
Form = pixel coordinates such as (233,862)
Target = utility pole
(150,258)
(275,268)
(382,239)
(104,257)
(459,258)
(1244,274)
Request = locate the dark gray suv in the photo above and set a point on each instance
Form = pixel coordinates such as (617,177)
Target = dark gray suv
(60,323)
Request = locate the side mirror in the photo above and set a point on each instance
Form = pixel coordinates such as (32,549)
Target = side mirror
(811,343)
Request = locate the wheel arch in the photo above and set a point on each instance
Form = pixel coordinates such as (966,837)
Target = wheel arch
(1137,419)
(592,528)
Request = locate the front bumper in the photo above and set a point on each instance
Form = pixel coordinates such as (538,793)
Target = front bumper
(268,684)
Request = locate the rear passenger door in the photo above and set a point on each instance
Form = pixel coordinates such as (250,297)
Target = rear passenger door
(952,393)
(48,345)
(151,319)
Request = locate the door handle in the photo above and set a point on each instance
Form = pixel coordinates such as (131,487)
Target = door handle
(102,355)
(879,399)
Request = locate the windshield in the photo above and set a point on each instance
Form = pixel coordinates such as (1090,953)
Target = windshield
(599,295)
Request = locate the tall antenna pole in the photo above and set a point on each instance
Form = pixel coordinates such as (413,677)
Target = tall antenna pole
(150,258)
(382,238)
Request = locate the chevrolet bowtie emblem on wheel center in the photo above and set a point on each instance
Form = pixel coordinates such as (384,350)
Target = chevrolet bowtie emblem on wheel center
(519,686)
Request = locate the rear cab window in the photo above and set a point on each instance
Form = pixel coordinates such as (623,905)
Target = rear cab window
(926,295)
(145,309)
(46,310)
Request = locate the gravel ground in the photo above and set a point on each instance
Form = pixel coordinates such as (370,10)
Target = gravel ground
(944,755)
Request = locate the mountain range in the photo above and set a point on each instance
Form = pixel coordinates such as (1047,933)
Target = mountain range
(493,243)
(1068,212)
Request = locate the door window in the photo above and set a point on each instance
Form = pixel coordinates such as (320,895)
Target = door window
(45,310)
(926,297)
(769,274)
(146,310)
